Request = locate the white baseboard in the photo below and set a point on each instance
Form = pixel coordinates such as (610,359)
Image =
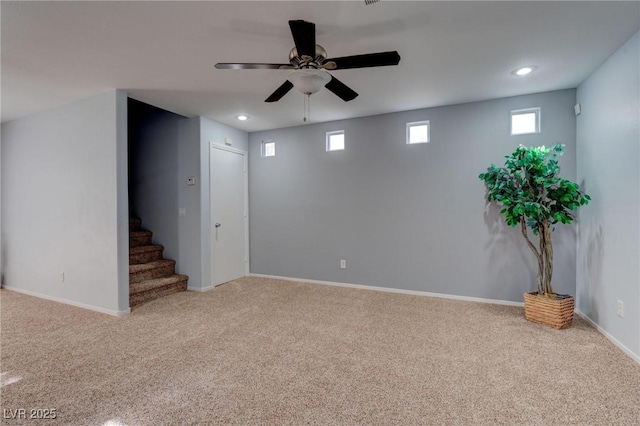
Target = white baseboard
(200,289)
(69,302)
(396,290)
(612,339)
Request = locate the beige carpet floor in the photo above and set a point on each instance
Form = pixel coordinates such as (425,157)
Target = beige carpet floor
(261,351)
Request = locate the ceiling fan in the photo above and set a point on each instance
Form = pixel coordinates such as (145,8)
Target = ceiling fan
(308,63)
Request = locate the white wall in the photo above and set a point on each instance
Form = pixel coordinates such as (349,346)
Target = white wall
(404,216)
(608,164)
(62,208)
(212,131)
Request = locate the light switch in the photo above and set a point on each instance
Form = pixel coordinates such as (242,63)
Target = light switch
(182,211)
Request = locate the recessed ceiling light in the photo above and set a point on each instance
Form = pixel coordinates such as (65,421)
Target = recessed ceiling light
(242,117)
(522,71)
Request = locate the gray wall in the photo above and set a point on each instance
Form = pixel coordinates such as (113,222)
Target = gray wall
(404,216)
(212,131)
(1,233)
(62,208)
(189,258)
(122,199)
(608,135)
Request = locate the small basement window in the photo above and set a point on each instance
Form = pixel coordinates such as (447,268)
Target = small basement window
(418,132)
(268,148)
(525,121)
(335,140)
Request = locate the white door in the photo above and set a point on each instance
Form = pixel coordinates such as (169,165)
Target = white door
(229,218)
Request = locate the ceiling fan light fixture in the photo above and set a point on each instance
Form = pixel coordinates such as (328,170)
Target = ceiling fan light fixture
(309,81)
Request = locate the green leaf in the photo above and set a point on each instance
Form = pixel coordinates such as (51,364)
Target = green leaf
(529,185)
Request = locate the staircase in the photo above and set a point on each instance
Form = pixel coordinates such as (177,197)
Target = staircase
(150,275)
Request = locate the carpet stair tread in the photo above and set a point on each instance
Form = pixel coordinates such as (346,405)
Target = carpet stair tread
(154,269)
(134,223)
(148,290)
(151,265)
(140,233)
(156,283)
(145,249)
(151,276)
(145,253)
(140,238)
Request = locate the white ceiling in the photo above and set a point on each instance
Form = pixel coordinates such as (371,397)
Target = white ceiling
(164,53)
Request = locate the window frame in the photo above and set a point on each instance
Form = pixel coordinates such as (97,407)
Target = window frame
(264,148)
(523,111)
(328,140)
(416,124)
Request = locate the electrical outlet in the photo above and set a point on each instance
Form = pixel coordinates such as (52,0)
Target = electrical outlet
(343,264)
(620,309)
(61,277)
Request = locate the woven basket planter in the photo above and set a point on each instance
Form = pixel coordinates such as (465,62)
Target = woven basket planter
(553,312)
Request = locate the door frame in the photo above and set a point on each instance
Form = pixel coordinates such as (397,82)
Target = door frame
(213,145)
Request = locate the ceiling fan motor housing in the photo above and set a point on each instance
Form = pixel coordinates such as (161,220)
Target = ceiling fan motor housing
(307,61)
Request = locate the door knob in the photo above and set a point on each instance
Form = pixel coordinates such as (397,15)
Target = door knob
(217,225)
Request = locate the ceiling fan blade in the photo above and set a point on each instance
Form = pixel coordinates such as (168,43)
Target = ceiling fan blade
(380,59)
(280,92)
(343,91)
(304,36)
(224,66)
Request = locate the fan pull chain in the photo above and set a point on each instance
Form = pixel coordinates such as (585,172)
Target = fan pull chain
(307,107)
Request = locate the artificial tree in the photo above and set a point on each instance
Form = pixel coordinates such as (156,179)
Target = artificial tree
(533,195)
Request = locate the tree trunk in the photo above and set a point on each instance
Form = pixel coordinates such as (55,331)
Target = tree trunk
(539,254)
(548,258)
